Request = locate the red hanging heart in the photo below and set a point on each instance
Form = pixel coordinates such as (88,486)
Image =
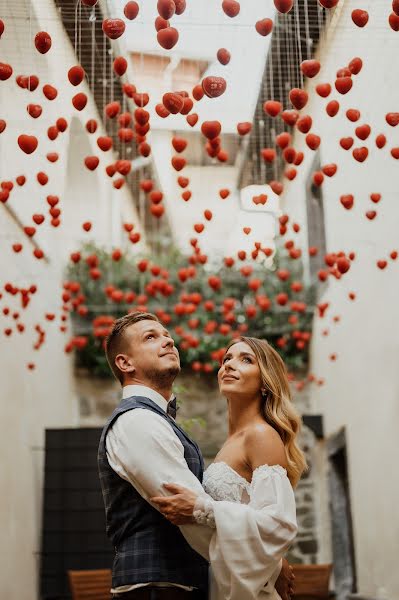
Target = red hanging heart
(264,27)
(223,56)
(332,108)
(272,107)
(313,141)
(284,6)
(360,154)
(211,129)
(355,65)
(346,143)
(120,65)
(323,89)
(79,101)
(360,17)
(43,42)
(168,37)
(310,68)
(76,75)
(214,86)
(298,98)
(304,124)
(392,119)
(113,28)
(50,91)
(347,201)
(92,162)
(166,8)
(179,144)
(34,110)
(5,71)
(131,10)
(104,143)
(244,128)
(178,162)
(27,143)
(343,84)
(173,102)
(231,8)
(380,141)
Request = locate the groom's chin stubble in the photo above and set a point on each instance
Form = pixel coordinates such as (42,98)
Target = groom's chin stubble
(165,377)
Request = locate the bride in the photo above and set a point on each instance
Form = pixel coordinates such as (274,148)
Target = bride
(248,495)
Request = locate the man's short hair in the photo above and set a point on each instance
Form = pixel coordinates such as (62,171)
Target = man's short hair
(116,340)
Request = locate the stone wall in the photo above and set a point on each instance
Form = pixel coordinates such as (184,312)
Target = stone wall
(204,413)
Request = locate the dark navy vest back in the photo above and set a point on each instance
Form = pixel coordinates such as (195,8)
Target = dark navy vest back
(147,546)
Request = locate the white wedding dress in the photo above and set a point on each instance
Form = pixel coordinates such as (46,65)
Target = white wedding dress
(254,524)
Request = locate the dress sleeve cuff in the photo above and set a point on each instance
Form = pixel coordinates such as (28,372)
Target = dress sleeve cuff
(203,512)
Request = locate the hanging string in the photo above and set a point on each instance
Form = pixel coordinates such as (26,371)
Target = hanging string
(307,34)
(299,42)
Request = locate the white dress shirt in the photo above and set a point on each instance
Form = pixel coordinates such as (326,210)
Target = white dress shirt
(143,449)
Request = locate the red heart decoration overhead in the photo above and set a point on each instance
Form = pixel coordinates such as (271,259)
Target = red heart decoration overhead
(141,115)
(183,181)
(224,193)
(112,109)
(244,128)
(192,119)
(30,231)
(313,141)
(363,131)
(298,98)
(355,65)
(34,110)
(211,129)
(380,141)
(2,26)
(50,91)
(162,111)
(166,8)
(173,102)
(157,210)
(375,198)
(187,106)
(360,154)
(89,2)
(144,149)
(392,119)
(156,196)
(38,219)
(304,124)
(3,125)
(318,178)
(360,17)
(323,89)
(343,84)
(264,26)
(123,166)
(76,75)
(329,3)
(208,214)
(91,126)
(161,23)
(180,6)
(277,187)
(92,162)
(371,214)
(120,65)
(199,227)
(330,170)
(86,225)
(395,153)
(52,200)
(43,42)
(21,179)
(178,162)
(283,139)
(332,108)
(290,117)
(272,107)
(5,71)
(27,143)
(113,28)
(382,264)
(284,6)
(395,6)
(17,247)
(214,86)
(394,21)
(231,8)
(394,254)
(179,144)
(168,37)
(310,68)
(347,201)
(52,157)
(61,124)
(79,101)
(346,143)
(268,154)
(353,114)
(104,143)
(131,10)
(42,178)
(186,195)
(223,56)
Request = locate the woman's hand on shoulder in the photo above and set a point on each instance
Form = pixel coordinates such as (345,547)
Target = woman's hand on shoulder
(263,446)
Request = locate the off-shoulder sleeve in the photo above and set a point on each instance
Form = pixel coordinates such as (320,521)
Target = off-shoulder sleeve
(249,540)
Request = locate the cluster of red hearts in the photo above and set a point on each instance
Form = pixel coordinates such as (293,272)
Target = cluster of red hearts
(203,308)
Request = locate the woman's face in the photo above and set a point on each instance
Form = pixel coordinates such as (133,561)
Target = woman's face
(240,373)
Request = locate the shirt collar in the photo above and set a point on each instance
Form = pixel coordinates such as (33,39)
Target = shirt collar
(143,390)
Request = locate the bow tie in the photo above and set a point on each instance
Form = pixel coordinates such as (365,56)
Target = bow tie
(172,408)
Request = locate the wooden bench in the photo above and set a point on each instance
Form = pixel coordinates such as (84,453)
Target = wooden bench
(90,585)
(312,582)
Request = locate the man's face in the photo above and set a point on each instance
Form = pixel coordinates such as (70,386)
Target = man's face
(151,353)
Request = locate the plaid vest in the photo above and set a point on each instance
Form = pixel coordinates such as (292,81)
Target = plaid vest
(147,546)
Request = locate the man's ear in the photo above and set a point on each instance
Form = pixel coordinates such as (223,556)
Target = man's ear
(124,363)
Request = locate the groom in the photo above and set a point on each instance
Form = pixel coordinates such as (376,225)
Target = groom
(141,448)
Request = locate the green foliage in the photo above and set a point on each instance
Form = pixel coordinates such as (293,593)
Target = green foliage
(198,334)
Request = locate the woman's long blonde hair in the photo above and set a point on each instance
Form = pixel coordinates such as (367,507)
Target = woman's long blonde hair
(277,408)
